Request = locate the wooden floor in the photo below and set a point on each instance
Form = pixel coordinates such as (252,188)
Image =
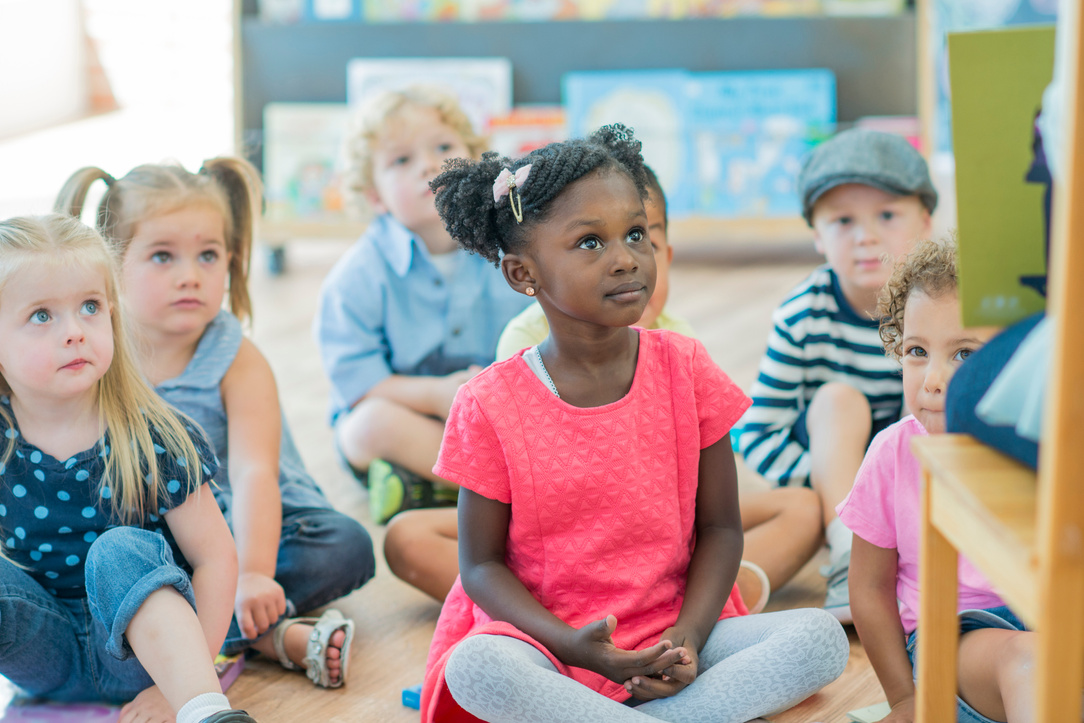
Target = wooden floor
(728,297)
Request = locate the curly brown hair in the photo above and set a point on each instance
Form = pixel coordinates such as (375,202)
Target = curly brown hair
(929,268)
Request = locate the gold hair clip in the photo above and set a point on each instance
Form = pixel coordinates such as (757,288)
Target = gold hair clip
(506,183)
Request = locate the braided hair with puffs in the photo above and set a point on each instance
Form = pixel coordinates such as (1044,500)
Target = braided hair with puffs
(464,190)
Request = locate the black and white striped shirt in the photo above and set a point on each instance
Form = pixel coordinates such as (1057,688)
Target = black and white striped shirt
(816,338)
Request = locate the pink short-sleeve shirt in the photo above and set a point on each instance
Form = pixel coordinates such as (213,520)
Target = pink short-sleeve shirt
(883,509)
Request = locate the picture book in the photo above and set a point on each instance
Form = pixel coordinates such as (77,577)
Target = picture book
(726,144)
(332,10)
(228,668)
(22,709)
(998,78)
(749,133)
(952,16)
(281,12)
(397,11)
(30,711)
(653,103)
(302,164)
(482,85)
(526,128)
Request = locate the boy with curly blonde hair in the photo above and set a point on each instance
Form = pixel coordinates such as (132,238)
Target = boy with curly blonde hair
(405,317)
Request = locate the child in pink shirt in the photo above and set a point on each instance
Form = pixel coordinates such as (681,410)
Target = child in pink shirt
(921,326)
(599,534)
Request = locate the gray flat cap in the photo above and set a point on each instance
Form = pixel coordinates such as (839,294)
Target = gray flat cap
(871,158)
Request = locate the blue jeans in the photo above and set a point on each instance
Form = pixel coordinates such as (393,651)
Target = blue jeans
(999,617)
(73,649)
(323,555)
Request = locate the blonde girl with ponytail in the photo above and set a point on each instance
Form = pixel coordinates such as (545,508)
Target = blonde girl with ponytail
(184,241)
(117,567)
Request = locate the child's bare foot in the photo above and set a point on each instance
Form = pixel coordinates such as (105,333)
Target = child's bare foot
(296,642)
(319,646)
(150,706)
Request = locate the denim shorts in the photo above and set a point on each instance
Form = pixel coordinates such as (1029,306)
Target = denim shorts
(999,617)
(74,649)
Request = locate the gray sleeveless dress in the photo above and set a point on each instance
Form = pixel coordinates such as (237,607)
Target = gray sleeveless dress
(323,554)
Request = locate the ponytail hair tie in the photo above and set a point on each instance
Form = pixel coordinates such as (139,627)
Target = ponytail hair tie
(507,184)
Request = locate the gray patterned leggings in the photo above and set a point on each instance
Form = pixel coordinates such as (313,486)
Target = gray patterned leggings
(749,667)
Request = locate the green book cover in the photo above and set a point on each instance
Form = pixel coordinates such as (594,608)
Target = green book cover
(997,79)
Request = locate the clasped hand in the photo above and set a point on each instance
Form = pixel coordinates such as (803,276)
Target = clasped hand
(660,671)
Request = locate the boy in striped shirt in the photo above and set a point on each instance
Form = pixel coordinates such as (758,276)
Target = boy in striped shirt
(825,386)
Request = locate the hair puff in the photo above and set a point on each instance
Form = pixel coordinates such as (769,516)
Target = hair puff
(464,190)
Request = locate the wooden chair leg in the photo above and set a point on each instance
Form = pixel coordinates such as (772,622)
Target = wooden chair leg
(938,634)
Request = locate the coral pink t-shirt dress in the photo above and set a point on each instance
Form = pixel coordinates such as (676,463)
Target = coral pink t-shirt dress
(603,499)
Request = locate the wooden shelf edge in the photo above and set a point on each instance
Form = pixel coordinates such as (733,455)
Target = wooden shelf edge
(985,504)
(280,232)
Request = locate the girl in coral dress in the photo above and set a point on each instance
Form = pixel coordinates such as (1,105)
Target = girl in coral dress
(598,516)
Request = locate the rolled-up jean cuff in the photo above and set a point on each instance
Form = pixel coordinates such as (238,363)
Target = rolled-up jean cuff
(165,576)
(992,618)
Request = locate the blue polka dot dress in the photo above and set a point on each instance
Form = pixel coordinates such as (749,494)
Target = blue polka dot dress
(51,510)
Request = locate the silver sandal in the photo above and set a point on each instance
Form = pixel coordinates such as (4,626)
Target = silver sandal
(315,662)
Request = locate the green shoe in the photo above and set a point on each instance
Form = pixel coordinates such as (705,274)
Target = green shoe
(386,491)
(393,489)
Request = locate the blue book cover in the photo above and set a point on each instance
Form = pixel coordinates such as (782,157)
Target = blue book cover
(651,102)
(726,144)
(748,133)
(331,11)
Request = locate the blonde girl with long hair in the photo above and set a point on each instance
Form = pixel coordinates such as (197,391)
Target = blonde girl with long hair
(185,240)
(117,569)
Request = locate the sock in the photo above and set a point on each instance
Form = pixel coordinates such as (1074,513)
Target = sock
(839,540)
(202,706)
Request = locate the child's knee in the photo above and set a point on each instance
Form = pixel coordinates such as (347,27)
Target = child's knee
(470,660)
(839,397)
(364,434)
(494,661)
(801,505)
(825,639)
(324,539)
(837,405)
(404,541)
(356,546)
(1019,656)
(122,555)
(125,567)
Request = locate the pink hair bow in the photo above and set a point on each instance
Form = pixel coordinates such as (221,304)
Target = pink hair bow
(506,183)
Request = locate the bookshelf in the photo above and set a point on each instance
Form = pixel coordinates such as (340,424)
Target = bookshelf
(873,58)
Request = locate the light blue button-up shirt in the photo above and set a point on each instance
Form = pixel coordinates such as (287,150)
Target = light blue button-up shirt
(386,309)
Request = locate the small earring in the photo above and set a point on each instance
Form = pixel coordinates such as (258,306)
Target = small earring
(530,291)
